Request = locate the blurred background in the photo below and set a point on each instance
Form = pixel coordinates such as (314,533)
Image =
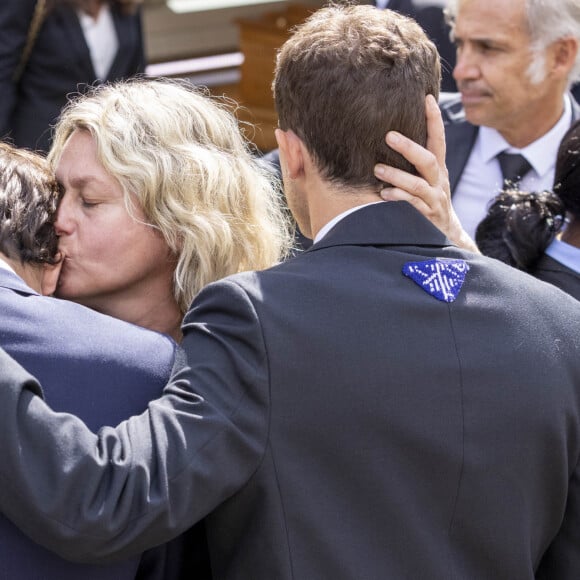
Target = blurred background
(230,47)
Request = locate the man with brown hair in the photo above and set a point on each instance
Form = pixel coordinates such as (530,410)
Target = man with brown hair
(382,406)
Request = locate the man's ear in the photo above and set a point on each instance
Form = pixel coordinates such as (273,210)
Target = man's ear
(291,153)
(564,54)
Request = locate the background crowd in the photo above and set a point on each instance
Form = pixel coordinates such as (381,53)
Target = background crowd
(387,400)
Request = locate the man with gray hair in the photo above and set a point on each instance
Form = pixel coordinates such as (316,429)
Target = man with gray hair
(516,61)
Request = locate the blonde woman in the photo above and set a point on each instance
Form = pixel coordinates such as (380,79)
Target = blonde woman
(161,197)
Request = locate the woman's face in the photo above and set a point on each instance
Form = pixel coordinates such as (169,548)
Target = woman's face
(111,259)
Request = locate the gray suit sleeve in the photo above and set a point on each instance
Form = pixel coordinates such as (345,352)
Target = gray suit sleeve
(98,498)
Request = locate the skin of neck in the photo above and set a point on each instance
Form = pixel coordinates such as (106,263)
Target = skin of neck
(313,200)
(522,135)
(158,311)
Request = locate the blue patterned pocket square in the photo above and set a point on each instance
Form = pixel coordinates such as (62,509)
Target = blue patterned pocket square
(441,278)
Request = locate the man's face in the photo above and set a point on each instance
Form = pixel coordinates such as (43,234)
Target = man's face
(110,258)
(493,56)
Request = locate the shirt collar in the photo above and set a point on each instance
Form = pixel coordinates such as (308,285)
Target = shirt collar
(492,143)
(565,254)
(5,266)
(327,227)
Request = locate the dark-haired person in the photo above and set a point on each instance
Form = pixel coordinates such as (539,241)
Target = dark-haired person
(80,43)
(90,364)
(540,232)
(382,405)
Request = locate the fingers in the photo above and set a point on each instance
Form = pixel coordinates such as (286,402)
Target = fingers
(435,130)
(419,203)
(402,182)
(422,159)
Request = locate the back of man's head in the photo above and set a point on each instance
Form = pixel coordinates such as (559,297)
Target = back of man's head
(29,195)
(346,77)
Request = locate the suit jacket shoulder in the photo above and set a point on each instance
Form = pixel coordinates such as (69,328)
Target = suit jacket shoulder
(552,271)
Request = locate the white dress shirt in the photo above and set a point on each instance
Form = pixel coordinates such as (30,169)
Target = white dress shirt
(6,266)
(482,180)
(565,254)
(101,38)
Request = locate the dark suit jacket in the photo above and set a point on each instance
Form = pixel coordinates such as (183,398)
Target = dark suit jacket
(552,271)
(431,17)
(460,135)
(92,365)
(406,7)
(333,421)
(60,65)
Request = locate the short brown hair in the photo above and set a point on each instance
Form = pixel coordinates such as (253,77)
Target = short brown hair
(347,76)
(29,196)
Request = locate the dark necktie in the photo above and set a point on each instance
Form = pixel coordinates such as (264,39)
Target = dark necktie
(513,167)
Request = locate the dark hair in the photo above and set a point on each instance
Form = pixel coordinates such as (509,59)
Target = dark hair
(347,76)
(29,196)
(567,176)
(519,226)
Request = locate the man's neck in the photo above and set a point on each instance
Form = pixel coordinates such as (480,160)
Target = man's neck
(327,202)
(520,135)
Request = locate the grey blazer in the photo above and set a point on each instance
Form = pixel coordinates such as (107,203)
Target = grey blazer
(92,365)
(331,418)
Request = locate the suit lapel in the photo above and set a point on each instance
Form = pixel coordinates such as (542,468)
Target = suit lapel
(460,138)
(575,108)
(73,32)
(126,35)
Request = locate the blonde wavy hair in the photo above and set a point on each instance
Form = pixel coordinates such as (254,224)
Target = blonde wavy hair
(181,157)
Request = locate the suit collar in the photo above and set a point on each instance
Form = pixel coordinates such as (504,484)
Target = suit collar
(575,107)
(460,136)
(384,224)
(12,281)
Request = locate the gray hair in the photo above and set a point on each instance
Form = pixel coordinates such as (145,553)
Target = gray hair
(548,21)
